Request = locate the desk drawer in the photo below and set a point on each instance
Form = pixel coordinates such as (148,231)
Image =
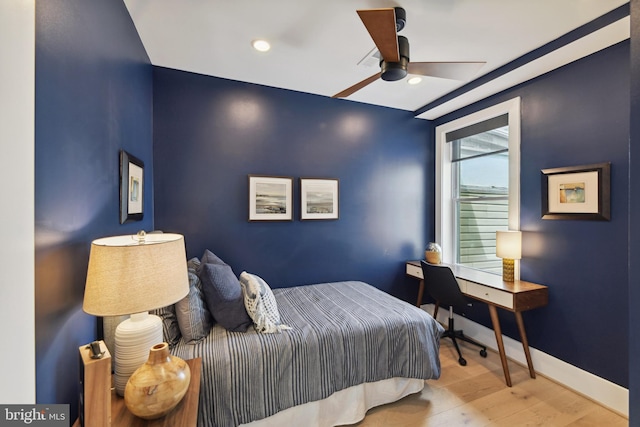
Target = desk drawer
(486,293)
(414,271)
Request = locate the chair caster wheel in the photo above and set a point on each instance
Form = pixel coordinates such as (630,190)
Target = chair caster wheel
(462,362)
(483,353)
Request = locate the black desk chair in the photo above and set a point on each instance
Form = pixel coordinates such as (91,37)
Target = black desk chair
(442,285)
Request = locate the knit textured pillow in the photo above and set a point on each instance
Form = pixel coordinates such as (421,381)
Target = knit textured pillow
(208,258)
(261,304)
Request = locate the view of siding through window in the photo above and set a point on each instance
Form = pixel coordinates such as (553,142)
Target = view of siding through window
(481,190)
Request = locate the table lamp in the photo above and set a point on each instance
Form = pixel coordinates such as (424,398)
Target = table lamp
(130,275)
(509,248)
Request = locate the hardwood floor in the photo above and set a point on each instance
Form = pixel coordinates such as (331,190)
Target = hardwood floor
(476,395)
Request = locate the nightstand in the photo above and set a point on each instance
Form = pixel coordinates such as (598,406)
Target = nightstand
(183,415)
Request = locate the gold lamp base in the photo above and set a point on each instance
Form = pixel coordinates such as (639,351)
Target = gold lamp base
(507,269)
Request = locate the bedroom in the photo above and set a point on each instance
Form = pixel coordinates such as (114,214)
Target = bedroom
(75,204)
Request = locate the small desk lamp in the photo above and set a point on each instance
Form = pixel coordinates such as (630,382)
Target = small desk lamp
(509,248)
(132,275)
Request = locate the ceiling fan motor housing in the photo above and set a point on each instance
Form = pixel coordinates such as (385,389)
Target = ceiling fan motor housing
(401,18)
(392,71)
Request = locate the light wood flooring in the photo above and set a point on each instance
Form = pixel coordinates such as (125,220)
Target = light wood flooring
(476,395)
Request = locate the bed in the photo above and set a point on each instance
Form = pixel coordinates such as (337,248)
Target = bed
(350,347)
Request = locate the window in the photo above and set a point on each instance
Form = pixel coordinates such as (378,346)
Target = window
(478,184)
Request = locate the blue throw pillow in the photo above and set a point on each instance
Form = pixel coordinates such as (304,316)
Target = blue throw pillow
(223,296)
(211,258)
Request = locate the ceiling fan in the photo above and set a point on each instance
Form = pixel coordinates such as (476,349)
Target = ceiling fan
(383,26)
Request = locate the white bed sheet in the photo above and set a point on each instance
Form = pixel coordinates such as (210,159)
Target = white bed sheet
(346,406)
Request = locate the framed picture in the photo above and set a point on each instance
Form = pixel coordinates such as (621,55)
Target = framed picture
(131,188)
(318,198)
(270,198)
(577,192)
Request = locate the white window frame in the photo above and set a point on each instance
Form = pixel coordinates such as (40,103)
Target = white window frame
(445,208)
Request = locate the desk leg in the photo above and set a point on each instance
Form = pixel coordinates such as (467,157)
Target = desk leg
(420,293)
(496,328)
(525,343)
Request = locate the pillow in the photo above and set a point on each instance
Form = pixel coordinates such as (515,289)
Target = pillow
(261,304)
(223,296)
(194,319)
(193,264)
(170,327)
(210,258)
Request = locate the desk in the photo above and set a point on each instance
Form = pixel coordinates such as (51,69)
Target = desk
(183,415)
(517,296)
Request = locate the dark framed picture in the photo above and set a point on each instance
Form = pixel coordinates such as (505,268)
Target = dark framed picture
(131,188)
(318,198)
(270,198)
(577,192)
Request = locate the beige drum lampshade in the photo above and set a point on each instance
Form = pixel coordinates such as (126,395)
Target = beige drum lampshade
(130,275)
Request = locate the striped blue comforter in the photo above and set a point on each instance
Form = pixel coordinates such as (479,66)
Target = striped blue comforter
(344,334)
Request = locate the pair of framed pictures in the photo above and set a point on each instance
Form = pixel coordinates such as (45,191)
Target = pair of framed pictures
(271,198)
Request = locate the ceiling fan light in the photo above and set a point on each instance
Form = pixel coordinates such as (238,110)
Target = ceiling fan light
(392,71)
(261,45)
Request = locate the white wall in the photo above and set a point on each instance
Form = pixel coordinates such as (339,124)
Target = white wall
(17,106)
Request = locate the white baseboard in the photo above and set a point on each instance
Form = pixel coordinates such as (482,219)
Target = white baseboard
(605,392)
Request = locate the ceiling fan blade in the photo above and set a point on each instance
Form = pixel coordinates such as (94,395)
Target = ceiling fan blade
(381,24)
(446,70)
(356,87)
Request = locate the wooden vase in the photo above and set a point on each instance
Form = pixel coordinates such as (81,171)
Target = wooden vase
(156,387)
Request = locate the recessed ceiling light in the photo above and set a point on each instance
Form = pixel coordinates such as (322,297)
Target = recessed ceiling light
(414,80)
(261,45)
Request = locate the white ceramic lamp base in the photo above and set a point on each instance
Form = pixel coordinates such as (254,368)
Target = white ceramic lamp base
(134,337)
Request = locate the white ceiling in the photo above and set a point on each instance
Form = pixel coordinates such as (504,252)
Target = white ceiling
(316,45)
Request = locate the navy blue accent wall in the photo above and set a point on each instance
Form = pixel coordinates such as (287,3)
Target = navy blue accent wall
(93,98)
(210,133)
(634,224)
(576,115)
